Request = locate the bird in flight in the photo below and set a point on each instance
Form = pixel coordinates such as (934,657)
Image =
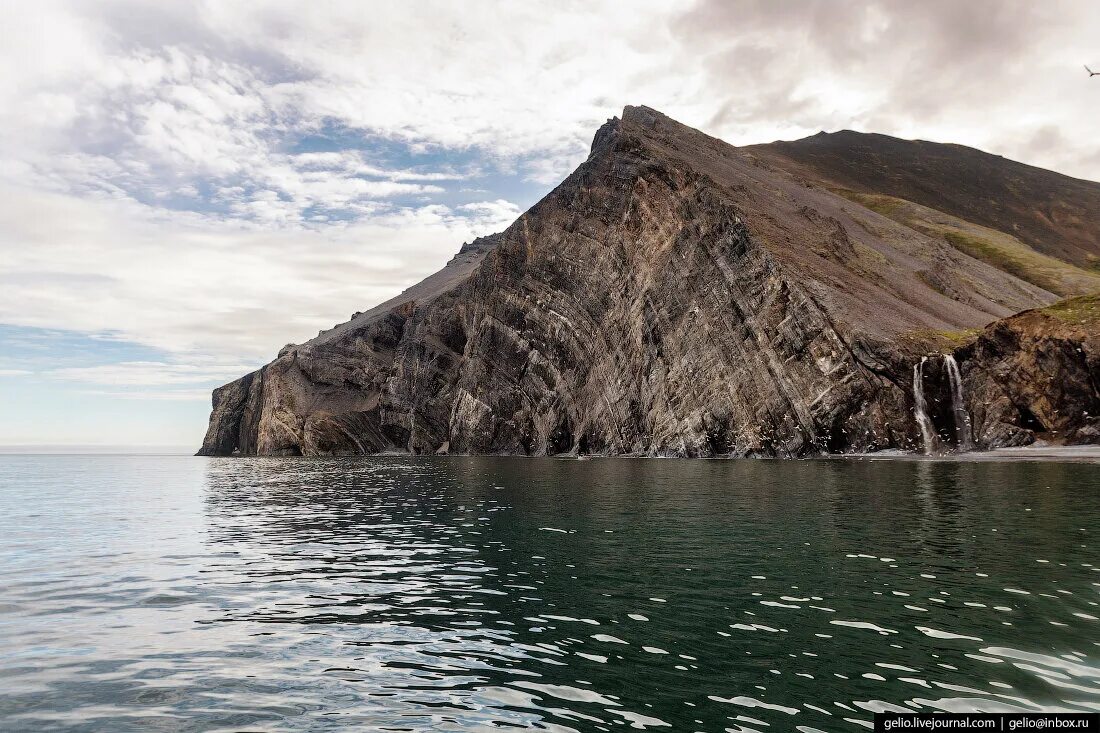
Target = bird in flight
(1091,72)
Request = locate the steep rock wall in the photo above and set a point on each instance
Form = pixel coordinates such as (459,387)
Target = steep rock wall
(1033,376)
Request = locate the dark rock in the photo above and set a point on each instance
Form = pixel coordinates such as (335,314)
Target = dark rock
(1034,375)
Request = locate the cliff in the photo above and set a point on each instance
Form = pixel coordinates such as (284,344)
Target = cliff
(1037,373)
(673,296)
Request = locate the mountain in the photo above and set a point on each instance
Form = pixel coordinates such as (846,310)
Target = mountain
(676,295)
(1039,225)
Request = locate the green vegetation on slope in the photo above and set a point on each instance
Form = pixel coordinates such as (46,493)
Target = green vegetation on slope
(1083,310)
(1025,267)
(1001,250)
(942,341)
(1052,214)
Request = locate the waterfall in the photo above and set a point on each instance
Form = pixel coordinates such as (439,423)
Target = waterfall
(958,406)
(927,434)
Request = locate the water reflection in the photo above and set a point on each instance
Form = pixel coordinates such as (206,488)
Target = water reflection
(481,591)
(477,593)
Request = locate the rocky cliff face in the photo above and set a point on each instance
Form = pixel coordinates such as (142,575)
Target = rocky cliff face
(1037,374)
(673,296)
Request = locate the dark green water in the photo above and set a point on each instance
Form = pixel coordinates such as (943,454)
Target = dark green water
(171,593)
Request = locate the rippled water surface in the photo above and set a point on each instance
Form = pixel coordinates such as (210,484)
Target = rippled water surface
(174,593)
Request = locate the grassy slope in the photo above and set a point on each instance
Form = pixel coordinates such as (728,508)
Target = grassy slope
(1082,311)
(996,248)
(1053,214)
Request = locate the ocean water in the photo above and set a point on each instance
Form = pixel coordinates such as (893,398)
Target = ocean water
(173,593)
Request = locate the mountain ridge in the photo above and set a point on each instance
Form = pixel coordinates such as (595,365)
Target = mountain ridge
(1052,212)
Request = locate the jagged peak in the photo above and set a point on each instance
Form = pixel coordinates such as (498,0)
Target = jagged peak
(605,133)
(638,117)
(480,245)
(642,115)
(650,123)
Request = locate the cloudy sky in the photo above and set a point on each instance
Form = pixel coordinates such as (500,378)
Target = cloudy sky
(187,186)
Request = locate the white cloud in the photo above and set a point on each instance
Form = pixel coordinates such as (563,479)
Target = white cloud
(176,395)
(15,372)
(153,123)
(155,395)
(126,95)
(150,373)
(152,183)
(193,285)
(499,210)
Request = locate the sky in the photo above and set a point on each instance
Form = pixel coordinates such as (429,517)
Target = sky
(186,186)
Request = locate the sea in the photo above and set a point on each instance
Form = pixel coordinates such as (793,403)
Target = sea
(398,593)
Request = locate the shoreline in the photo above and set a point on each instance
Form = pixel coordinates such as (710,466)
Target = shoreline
(1053,453)
(1046,453)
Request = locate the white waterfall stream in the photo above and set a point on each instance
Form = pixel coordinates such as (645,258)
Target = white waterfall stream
(959,414)
(958,406)
(927,433)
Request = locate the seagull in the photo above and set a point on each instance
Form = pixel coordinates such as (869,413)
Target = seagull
(1091,72)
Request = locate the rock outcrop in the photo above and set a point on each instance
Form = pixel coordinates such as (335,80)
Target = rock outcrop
(1037,374)
(673,296)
